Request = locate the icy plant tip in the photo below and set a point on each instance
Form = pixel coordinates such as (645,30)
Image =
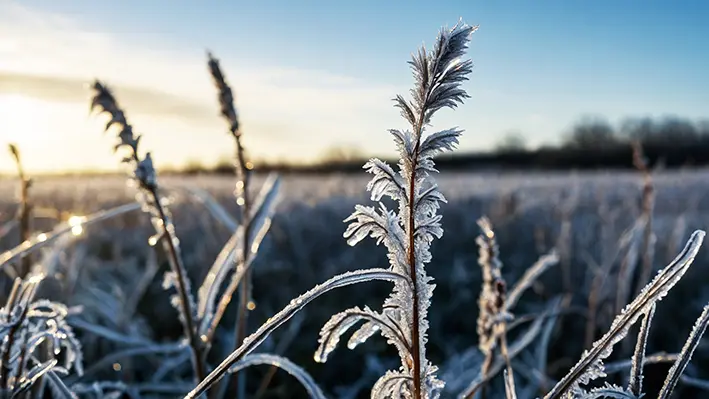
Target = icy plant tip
(408,233)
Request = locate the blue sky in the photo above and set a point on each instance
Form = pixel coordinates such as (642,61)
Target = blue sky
(310,75)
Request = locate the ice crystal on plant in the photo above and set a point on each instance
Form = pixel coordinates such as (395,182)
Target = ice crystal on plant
(25,324)
(408,233)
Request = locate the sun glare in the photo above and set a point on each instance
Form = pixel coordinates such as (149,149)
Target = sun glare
(21,118)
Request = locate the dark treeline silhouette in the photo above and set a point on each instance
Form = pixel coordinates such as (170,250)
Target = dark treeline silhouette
(591,143)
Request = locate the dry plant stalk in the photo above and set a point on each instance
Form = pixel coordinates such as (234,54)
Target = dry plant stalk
(647,248)
(24,214)
(591,367)
(493,316)
(496,318)
(407,234)
(28,325)
(242,166)
(146,176)
(565,239)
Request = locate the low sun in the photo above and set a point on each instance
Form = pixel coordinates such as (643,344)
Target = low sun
(21,118)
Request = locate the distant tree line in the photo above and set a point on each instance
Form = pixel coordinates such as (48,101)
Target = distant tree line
(591,143)
(597,133)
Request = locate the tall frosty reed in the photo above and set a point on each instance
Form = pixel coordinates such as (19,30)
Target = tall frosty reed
(145,175)
(201,318)
(24,213)
(495,305)
(407,234)
(242,166)
(590,367)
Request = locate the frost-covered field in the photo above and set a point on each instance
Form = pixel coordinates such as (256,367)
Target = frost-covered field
(116,276)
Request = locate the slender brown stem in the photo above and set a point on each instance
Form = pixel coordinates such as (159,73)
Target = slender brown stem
(24,214)
(484,370)
(239,379)
(25,225)
(178,268)
(505,352)
(648,199)
(411,258)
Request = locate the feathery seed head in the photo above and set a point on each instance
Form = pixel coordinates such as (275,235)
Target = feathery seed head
(14,151)
(438,74)
(104,100)
(494,289)
(226,96)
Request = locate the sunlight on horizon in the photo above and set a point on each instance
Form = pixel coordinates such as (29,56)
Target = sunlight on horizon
(295,110)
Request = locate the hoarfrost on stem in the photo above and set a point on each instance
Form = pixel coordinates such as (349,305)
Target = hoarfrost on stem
(408,233)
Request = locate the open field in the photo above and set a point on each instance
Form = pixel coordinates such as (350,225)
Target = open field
(582,215)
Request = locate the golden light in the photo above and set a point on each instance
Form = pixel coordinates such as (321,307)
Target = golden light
(75,222)
(20,117)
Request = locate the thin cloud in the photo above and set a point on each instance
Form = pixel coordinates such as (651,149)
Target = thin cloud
(143,100)
(289,112)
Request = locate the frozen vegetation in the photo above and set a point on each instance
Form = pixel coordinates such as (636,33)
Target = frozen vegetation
(474,284)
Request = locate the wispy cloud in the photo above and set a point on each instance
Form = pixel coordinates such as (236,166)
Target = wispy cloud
(74,90)
(289,112)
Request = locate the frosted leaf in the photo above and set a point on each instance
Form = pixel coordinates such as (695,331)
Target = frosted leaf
(510,392)
(343,321)
(429,227)
(62,230)
(428,201)
(33,375)
(334,328)
(432,386)
(405,143)
(57,386)
(254,340)
(590,365)
(381,225)
(529,277)
(24,325)
(264,206)
(231,255)
(436,143)
(362,334)
(385,180)
(608,391)
(635,381)
(406,111)
(393,385)
(217,211)
(685,355)
(285,364)
(223,264)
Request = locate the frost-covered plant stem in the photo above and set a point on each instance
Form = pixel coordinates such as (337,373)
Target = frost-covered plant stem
(144,173)
(411,258)
(9,342)
(590,366)
(493,306)
(29,327)
(24,214)
(226,101)
(432,70)
(255,339)
(178,268)
(648,204)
